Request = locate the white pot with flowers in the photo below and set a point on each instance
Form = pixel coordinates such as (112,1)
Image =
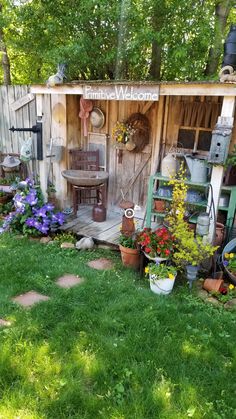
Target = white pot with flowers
(161,277)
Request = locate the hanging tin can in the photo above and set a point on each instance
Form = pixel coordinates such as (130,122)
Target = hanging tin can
(203,223)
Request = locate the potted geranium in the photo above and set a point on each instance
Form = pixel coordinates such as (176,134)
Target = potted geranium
(130,254)
(157,244)
(161,277)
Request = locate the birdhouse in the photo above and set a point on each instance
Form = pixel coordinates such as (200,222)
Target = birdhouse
(220,141)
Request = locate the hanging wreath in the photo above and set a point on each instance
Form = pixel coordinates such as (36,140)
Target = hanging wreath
(140,128)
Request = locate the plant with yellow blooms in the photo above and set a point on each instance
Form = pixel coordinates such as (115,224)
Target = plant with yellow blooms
(156,271)
(189,250)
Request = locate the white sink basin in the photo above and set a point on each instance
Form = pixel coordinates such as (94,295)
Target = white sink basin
(85,177)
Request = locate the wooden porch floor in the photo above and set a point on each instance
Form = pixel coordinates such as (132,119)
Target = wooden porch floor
(107,232)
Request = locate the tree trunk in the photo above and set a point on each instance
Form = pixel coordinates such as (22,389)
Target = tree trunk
(5,59)
(222,10)
(155,67)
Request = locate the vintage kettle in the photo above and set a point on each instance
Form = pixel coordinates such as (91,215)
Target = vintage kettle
(197,167)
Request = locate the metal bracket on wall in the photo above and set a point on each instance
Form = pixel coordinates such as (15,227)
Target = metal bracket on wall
(36,129)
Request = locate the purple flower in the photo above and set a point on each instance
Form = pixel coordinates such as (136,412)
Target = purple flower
(44,229)
(20,208)
(29,182)
(17,198)
(58,218)
(1,230)
(225,263)
(48,207)
(30,222)
(37,225)
(41,212)
(31,198)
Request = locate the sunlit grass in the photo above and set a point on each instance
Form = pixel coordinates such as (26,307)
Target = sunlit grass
(108,348)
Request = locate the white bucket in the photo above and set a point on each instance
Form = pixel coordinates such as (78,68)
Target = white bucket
(162,286)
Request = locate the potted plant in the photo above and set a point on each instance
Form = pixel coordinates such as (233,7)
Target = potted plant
(130,254)
(3,197)
(157,244)
(161,277)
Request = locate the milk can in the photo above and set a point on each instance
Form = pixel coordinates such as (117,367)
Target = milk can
(168,165)
(99,212)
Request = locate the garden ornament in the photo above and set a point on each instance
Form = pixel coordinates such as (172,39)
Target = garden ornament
(10,161)
(86,106)
(58,77)
(227,74)
(26,150)
(85,243)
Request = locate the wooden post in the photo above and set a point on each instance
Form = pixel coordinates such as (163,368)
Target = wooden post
(59,131)
(227,110)
(42,163)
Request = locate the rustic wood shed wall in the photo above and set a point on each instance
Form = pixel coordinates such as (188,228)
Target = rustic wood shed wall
(61,121)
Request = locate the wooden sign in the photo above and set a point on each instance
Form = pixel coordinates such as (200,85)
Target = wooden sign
(22,101)
(122,92)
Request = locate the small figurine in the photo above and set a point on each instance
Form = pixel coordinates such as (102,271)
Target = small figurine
(58,77)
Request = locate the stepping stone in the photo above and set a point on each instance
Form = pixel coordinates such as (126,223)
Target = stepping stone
(45,240)
(4,323)
(69,281)
(67,245)
(101,264)
(30,298)
(231,304)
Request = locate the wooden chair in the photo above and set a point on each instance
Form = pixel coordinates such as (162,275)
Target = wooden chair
(86,160)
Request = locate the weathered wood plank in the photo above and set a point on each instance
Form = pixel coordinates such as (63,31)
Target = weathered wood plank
(24,100)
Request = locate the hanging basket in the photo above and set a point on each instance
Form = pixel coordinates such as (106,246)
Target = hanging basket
(141,127)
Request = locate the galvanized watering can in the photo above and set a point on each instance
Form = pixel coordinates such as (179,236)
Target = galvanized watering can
(198,168)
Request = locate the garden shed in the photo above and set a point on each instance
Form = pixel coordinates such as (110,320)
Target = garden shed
(179,115)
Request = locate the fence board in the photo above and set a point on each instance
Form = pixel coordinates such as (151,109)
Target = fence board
(24,117)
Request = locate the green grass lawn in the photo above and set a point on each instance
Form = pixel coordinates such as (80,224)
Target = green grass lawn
(108,348)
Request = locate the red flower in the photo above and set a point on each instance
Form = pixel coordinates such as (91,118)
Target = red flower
(157,243)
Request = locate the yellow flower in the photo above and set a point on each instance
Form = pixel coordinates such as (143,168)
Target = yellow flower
(227,255)
(231,255)
(171,276)
(146,270)
(231,287)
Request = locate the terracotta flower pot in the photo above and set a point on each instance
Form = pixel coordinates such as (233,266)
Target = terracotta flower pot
(159,205)
(211,284)
(130,257)
(3,199)
(219,235)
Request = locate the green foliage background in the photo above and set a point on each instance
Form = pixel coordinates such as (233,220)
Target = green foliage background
(108,39)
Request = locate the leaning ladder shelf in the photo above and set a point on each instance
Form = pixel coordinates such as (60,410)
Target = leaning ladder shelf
(152,194)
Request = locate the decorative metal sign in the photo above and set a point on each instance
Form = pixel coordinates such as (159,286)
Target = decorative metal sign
(122,92)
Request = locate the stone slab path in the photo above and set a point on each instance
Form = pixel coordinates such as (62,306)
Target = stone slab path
(68,281)
(30,298)
(101,264)
(4,323)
